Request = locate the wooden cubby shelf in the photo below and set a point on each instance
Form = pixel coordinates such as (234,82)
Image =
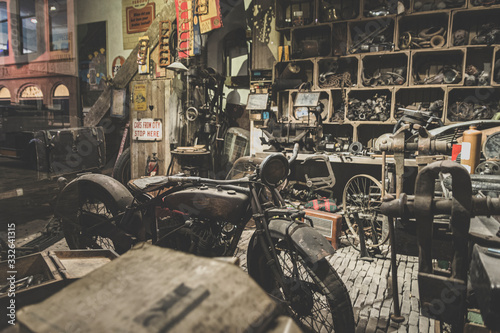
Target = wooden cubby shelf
(334,37)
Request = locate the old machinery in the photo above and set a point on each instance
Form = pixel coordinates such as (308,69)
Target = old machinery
(257,104)
(308,114)
(434,283)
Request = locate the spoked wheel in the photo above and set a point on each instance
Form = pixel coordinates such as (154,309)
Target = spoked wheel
(87,212)
(363,194)
(318,300)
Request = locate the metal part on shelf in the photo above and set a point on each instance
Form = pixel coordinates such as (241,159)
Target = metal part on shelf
(488,168)
(356,148)
(491,147)
(379,78)
(464,111)
(430,37)
(460,37)
(332,80)
(475,77)
(488,34)
(374,41)
(423,6)
(376,109)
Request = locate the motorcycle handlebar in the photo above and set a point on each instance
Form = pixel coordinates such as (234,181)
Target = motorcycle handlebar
(180,179)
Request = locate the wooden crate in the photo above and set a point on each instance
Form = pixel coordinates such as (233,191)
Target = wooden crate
(152,289)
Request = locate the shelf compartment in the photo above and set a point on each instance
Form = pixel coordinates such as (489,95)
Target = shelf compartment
(286,11)
(472,103)
(338,10)
(339,39)
(324,98)
(371,35)
(479,4)
(337,66)
(433,5)
(367,134)
(310,42)
(338,105)
(420,99)
(472,23)
(478,66)
(369,105)
(437,67)
(379,8)
(426,31)
(384,70)
(496,67)
(290,74)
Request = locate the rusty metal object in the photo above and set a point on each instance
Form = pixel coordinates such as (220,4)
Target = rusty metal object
(442,297)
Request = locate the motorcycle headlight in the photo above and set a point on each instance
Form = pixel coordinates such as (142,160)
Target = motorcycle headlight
(274,169)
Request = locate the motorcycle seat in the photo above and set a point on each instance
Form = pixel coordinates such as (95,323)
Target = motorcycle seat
(147,184)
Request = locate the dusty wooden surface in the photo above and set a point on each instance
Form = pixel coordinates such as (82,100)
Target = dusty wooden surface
(151,289)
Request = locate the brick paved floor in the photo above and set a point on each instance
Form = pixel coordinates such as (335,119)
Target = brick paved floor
(369,284)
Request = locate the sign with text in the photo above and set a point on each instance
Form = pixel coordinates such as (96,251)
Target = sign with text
(147,129)
(140,100)
(139,20)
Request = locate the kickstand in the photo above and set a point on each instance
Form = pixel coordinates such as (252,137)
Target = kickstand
(364,255)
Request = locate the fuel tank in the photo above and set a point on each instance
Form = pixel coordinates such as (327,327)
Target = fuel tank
(209,203)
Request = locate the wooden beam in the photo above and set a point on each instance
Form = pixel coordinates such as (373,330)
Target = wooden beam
(129,68)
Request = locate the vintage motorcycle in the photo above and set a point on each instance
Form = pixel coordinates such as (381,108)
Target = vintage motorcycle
(287,257)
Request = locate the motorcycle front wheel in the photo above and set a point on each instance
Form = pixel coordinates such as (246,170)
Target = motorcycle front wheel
(319,300)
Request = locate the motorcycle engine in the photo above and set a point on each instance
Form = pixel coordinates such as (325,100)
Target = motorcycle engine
(197,236)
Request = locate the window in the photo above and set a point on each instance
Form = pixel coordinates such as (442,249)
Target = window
(4,96)
(60,102)
(4,30)
(31,95)
(58,22)
(27,13)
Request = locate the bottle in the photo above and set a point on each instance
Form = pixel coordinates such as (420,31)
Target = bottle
(471,149)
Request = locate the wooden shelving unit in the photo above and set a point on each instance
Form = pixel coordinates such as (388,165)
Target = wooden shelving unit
(323,44)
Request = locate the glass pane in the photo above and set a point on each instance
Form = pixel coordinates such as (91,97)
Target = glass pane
(28,25)
(58,20)
(4,30)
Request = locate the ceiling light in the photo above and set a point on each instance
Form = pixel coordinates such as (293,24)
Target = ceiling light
(53,8)
(177,67)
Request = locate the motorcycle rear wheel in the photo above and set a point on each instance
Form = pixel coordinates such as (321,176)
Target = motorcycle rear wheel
(320,301)
(86,212)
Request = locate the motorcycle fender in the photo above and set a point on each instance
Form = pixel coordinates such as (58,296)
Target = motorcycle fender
(114,188)
(306,239)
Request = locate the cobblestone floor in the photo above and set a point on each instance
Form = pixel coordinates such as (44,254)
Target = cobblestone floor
(368,284)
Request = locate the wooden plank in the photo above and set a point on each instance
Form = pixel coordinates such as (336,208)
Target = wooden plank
(129,68)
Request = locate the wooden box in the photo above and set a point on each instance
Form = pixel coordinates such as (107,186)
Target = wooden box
(327,224)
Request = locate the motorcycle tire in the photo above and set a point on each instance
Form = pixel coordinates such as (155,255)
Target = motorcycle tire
(84,207)
(121,171)
(316,290)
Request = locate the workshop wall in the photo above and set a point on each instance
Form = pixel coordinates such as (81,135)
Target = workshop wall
(90,11)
